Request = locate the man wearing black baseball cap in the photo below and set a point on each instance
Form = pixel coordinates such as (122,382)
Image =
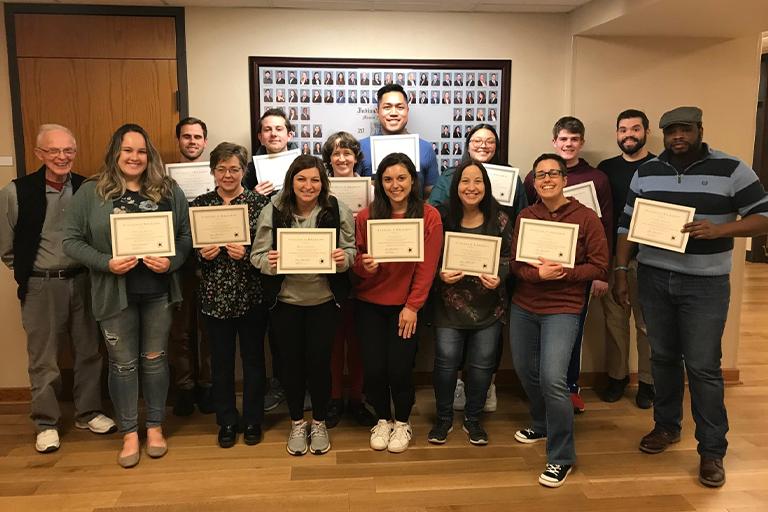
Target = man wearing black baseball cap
(685,295)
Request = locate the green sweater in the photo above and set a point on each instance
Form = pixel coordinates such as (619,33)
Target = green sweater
(87,238)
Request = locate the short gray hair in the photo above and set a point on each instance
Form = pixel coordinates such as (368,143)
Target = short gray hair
(52,127)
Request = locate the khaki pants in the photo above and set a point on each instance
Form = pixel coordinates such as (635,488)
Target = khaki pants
(617,335)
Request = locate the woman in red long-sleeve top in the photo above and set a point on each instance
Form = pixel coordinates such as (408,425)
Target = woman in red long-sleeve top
(389,296)
(544,317)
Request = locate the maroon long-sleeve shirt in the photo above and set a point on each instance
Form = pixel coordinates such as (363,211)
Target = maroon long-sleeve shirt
(564,295)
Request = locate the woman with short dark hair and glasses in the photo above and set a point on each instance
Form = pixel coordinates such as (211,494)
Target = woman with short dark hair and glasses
(231,303)
(544,316)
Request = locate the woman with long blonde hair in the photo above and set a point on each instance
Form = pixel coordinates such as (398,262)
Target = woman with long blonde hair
(131,296)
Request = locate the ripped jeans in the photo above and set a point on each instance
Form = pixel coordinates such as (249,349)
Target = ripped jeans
(137,341)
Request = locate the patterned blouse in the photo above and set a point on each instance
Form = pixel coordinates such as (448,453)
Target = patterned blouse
(229,288)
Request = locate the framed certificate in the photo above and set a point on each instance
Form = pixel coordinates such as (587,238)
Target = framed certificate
(273,167)
(383,145)
(555,241)
(586,194)
(142,234)
(396,240)
(306,251)
(354,192)
(659,224)
(194,178)
(471,254)
(219,225)
(503,182)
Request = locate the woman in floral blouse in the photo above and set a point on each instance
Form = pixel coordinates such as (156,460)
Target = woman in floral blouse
(468,310)
(231,304)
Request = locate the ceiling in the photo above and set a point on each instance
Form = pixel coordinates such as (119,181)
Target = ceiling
(486,6)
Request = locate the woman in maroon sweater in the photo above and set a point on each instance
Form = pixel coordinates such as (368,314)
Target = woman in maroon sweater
(544,316)
(389,296)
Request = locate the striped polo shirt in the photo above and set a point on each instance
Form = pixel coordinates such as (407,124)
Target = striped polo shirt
(719,186)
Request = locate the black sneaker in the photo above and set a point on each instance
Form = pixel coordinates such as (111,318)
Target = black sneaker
(335,409)
(554,475)
(476,432)
(645,395)
(362,415)
(184,405)
(439,433)
(529,436)
(614,390)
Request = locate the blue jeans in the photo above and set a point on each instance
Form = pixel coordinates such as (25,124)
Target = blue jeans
(541,349)
(574,366)
(137,340)
(481,350)
(685,316)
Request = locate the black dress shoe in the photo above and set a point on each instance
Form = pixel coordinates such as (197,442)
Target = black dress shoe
(184,405)
(205,400)
(362,415)
(645,395)
(711,472)
(335,410)
(252,434)
(227,436)
(614,390)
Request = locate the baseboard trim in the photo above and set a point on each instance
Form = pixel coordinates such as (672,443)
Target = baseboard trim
(505,378)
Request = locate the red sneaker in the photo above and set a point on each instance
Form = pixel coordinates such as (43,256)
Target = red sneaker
(578,403)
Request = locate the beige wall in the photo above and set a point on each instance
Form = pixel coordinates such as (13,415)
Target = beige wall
(13,362)
(553,74)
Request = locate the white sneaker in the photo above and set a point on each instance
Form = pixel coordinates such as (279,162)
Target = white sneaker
(380,434)
(47,441)
(459,398)
(99,424)
(490,399)
(400,438)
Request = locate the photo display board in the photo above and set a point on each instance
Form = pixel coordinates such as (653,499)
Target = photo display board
(324,96)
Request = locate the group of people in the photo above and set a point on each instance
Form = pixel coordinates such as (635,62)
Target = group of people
(367,316)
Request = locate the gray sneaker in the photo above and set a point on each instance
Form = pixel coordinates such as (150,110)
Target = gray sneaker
(319,441)
(297,439)
(275,396)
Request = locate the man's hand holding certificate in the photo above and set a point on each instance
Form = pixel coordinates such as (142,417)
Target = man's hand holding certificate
(272,167)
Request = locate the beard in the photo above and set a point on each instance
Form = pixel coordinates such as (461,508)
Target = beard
(639,144)
(693,149)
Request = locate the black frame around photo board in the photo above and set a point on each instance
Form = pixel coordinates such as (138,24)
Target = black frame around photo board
(323,96)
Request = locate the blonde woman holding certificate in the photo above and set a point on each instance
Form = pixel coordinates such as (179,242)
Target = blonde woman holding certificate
(304,307)
(389,297)
(544,316)
(131,296)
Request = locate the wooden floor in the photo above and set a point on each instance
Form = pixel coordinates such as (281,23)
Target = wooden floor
(611,474)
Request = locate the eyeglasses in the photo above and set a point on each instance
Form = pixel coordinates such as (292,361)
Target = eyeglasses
(221,171)
(480,142)
(54,152)
(552,174)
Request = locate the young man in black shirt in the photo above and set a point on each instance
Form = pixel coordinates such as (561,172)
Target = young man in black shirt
(631,135)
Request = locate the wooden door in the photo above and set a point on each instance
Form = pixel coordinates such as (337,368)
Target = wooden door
(93,73)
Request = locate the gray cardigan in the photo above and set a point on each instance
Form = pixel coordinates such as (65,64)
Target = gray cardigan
(87,238)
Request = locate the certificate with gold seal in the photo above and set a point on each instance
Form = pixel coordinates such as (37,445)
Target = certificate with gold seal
(142,234)
(554,241)
(396,240)
(471,254)
(659,224)
(355,192)
(219,225)
(306,251)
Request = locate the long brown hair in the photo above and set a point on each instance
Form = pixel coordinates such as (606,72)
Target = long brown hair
(381,207)
(287,202)
(110,182)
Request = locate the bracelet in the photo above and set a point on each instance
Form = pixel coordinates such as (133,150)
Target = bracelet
(620,267)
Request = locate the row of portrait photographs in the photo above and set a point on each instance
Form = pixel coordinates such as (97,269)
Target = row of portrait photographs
(446,163)
(306,131)
(432,97)
(406,78)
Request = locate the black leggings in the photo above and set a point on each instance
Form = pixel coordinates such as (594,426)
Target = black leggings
(305,336)
(387,360)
